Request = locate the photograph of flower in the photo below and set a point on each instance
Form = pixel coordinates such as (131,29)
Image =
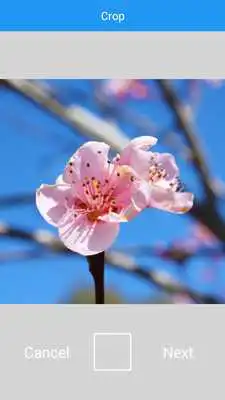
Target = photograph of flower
(112,191)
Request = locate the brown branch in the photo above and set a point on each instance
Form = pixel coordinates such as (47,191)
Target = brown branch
(190,137)
(209,216)
(173,252)
(96,267)
(206,212)
(117,260)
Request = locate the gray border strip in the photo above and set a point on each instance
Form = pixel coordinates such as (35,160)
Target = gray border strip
(154,328)
(112,54)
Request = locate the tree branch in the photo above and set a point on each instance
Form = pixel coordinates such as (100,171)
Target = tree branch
(114,259)
(17,200)
(79,118)
(206,212)
(184,125)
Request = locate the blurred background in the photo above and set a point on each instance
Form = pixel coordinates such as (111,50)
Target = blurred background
(158,257)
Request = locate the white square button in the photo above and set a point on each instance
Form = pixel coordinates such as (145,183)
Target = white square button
(112,352)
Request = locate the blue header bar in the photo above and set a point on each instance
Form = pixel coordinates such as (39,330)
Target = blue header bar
(112,15)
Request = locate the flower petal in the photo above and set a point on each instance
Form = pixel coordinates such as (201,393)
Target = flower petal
(131,212)
(114,218)
(175,202)
(123,180)
(142,143)
(141,196)
(51,202)
(59,180)
(168,163)
(71,172)
(90,160)
(86,238)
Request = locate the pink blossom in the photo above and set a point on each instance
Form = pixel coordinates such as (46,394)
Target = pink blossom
(160,171)
(122,88)
(203,235)
(90,199)
(215,83)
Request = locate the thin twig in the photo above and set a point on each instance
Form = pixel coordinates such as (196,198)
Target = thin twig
(114,259)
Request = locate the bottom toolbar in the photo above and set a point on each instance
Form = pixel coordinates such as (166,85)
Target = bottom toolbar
(98,352)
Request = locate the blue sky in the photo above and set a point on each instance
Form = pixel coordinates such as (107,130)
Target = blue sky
(33,150)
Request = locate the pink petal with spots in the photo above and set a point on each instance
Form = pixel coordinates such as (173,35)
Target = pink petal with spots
(72,170)
(168,163)
(126,184)
(131,191)
(90,160)
(51,202)
(139,160)
(123,180)
(174,202)
(86,238)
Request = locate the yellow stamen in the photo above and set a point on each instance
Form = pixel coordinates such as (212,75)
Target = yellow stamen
(183,209)
(93,215)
